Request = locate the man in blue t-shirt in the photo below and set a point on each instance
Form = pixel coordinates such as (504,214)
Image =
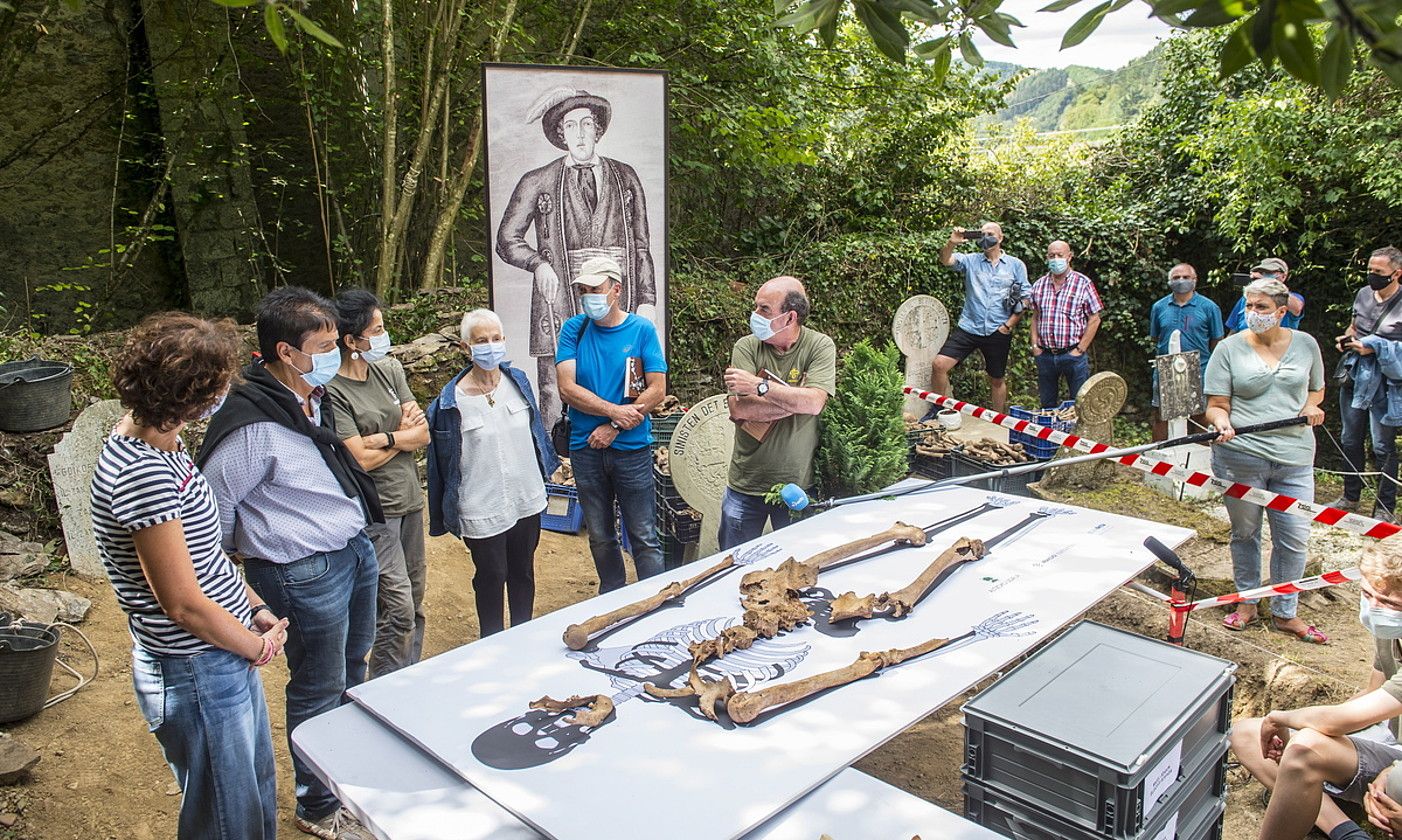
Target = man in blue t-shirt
(1198,322)
(1271,268)
(612,373)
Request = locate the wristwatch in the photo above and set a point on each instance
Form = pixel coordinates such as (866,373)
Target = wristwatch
(762,388)
(616,427)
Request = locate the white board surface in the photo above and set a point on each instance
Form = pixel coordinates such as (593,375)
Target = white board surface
(656,766)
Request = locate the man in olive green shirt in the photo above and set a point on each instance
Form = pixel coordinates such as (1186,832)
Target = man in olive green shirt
(779,379)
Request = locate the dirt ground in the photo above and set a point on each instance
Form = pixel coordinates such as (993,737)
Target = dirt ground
(102,774)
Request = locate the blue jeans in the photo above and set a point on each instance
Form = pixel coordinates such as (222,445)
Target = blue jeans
(330,599)
(1050,371)
(1355,421)
(208,714)
(742,517)
(1289,533)
(606,476)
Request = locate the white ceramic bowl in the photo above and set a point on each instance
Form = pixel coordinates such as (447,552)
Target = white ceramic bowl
(950,419)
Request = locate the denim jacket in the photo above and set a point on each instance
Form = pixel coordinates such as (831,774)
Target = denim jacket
(445,450)
(1377,379)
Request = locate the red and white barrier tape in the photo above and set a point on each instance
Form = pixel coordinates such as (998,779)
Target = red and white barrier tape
(1302,585)
(1273,501)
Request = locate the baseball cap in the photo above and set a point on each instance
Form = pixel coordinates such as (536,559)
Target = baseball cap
(596,270)
(1275,264)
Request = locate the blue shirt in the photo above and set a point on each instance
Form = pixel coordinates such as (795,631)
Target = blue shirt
(1199,321)
(600,358)
(1236,321)
(992,291)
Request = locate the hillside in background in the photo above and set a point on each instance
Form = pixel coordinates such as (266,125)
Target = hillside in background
(1075,97)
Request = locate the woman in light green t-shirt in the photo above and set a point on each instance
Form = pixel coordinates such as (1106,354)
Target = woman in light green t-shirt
(1267,372)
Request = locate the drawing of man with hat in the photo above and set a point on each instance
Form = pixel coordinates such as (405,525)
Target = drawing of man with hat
(580,205)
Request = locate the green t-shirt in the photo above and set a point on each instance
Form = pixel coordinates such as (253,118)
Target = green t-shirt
(1386,654)
(786,453)
(1260,393)
(372,407)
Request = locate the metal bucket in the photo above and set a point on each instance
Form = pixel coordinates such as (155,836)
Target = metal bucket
(27,655)
(35,395)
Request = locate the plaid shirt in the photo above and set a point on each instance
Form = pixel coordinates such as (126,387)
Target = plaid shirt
(1062,313)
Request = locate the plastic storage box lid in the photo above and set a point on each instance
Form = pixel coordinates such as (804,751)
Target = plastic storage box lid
(1102,692)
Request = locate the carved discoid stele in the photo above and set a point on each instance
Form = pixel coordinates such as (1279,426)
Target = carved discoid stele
(1101,398)
(921,325)
(700,452)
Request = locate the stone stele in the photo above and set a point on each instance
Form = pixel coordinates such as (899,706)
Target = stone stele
(1097,403)
(920,328)
(71,466)
(700,461)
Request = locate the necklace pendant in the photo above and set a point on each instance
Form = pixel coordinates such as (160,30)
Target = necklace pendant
(491,403)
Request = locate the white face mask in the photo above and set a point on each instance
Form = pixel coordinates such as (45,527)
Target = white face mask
(218,404)
(1259,322)
(379,347)
(1382,622)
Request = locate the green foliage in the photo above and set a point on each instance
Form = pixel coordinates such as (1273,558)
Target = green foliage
(863,445)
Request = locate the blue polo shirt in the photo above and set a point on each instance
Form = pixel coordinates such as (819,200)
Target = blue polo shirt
(988,289)
(1199,320)
(600,357)
(1236,321)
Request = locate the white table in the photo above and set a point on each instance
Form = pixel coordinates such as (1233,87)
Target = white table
(401,793)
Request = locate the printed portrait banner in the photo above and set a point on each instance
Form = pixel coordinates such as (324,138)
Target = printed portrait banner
(656,766)
(576,163)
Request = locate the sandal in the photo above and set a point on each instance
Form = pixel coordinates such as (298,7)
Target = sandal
(1235,621)
(1310,635)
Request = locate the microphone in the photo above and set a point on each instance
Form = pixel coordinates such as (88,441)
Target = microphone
(793,496)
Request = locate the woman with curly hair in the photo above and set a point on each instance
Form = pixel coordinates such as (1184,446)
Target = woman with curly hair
(200,632)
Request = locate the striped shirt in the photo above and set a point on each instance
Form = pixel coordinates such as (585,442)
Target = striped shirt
(1062,313)
(137,486)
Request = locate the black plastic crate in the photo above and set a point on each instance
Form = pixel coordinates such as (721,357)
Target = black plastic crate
(1192,811)
(1080,728)
(1013,485)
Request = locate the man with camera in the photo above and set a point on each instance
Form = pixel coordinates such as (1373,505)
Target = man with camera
(1065,316)
(1368,390)
(1271,268)
(995,293)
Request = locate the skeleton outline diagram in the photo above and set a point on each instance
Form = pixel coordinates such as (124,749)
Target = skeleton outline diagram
(539,737)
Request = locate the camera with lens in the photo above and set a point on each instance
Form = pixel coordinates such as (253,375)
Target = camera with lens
(971,234)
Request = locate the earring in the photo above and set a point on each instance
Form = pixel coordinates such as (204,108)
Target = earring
(355,354)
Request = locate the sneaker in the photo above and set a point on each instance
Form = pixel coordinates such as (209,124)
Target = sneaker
(1382,514)
(1345,504)
(338,825)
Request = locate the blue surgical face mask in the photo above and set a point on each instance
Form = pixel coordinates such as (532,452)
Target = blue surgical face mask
(1056,265)
(218,404)
(595,306)
(1380,621)
(379,347)
(324,367)
(762,327)
(488,356)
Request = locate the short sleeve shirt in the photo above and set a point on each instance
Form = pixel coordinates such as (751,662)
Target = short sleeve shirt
(601,364)
(992,291)
(786,453)
(1260,393)
(1199,321)
(1387,656)
(1371,317)
(1063,313)
(372,407)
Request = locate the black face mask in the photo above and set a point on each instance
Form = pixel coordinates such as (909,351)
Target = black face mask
(987,241)
(1378,282)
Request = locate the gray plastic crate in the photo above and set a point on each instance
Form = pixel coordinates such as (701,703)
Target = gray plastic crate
(1097,723)
(1192,812)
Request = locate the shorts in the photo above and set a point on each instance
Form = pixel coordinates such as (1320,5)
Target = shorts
(1374,756)
(994,347)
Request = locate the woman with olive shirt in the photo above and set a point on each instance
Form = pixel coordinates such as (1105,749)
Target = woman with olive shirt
(1267,372)
(381,424)
(487,466)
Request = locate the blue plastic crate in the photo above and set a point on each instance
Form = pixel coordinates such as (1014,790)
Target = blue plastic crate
(1042,450)
(562,511)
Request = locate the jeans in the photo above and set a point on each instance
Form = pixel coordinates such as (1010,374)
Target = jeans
(1050,371)
(208,714)
(399,612)
(1289,533)
(1355,421)
(606,476)
(742,517)
(507,561)
(330,599)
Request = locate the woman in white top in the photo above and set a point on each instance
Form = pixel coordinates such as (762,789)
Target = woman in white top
(488,460)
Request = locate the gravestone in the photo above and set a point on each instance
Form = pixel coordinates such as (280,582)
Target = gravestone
(1099,400)
(700,461)
(1180,397)
(920,328)
(71,466)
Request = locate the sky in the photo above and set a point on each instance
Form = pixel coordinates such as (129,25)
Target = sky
(1128,33)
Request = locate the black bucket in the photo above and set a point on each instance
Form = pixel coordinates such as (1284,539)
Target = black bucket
(27,655)
(35,395)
